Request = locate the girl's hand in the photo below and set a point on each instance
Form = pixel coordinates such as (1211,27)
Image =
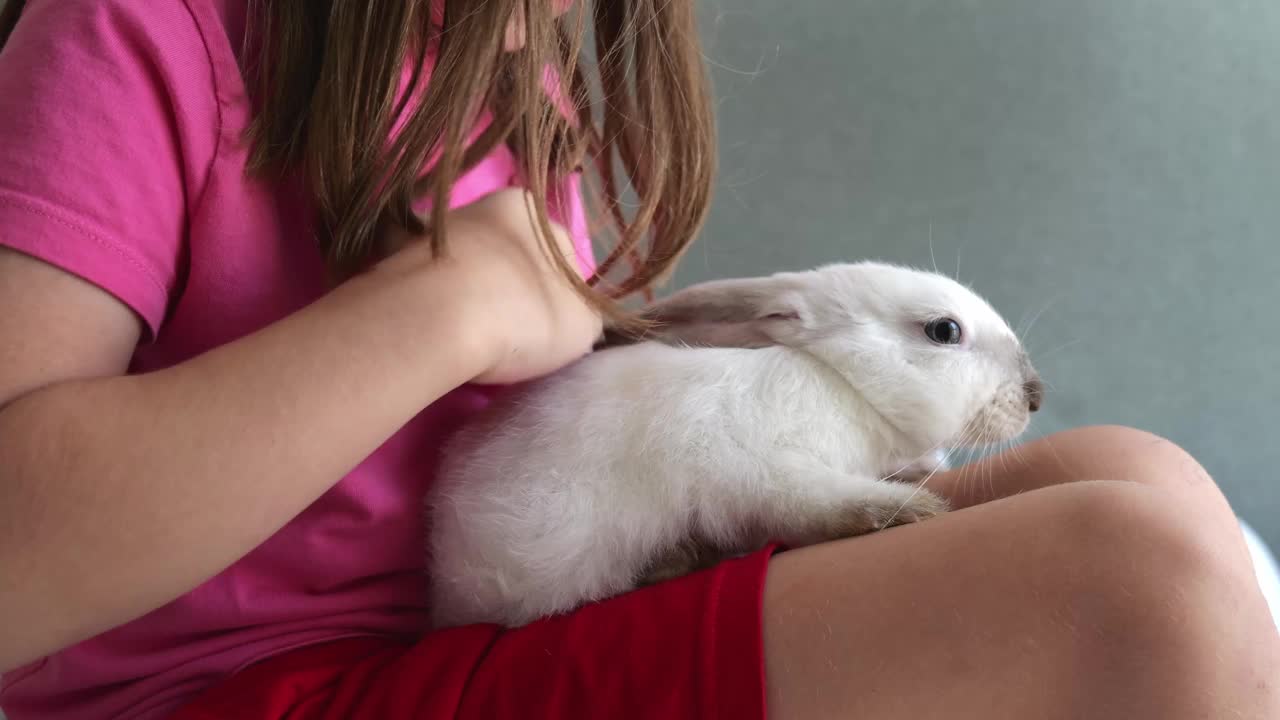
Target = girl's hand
(528,319)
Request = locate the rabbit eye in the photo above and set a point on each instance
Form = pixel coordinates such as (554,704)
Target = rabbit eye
(943,331)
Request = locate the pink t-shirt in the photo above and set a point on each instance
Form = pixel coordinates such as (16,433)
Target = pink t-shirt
(122,161)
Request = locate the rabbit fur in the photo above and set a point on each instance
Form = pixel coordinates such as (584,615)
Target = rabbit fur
(779,408)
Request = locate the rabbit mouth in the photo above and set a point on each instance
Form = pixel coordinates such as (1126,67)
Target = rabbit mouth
(999,421)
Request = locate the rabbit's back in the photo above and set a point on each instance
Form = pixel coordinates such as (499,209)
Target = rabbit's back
(569,486)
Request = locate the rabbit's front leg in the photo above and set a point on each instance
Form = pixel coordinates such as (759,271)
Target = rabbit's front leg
(806,503)
(801,503)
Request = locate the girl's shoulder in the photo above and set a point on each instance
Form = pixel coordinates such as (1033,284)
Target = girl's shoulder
(114,112)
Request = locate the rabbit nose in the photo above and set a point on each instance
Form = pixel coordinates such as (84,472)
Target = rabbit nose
(1033,388)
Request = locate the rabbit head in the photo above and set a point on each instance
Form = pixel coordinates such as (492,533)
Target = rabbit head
(933,359)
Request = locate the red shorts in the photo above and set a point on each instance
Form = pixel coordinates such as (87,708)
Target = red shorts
(688,648)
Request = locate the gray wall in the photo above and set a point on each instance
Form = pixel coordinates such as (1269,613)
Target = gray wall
(1106,165)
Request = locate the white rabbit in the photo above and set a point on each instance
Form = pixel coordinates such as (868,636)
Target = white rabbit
(771,409)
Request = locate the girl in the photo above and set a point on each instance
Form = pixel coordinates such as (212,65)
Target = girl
(231,346)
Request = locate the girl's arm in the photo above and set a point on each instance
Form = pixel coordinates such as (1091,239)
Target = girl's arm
(119,493)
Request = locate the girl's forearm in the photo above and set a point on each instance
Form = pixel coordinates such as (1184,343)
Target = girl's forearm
(120,494)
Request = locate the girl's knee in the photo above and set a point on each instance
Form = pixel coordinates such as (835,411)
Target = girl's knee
(1110,452)
(1139,536)
(1163,601)
(1140,456)
(1116,452)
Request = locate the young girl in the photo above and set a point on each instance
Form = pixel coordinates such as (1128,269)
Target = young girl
(230,348)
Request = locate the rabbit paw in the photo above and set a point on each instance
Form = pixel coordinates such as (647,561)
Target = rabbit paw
(921,505)
(888,510)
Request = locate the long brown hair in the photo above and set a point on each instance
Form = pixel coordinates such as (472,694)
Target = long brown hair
(635,118)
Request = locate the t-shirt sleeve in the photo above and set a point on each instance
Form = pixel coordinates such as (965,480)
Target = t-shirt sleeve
(109,125)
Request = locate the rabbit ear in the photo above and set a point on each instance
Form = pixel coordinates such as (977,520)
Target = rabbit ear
(743,313)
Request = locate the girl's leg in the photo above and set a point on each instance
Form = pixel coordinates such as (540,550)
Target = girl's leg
(1090,453)
(1066,598)
(1087,453)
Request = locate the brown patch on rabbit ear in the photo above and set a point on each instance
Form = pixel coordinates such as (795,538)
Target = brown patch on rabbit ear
(732,335)
(747,335)
(742,313)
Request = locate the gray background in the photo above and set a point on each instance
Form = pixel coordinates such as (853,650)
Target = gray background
(1109,166)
